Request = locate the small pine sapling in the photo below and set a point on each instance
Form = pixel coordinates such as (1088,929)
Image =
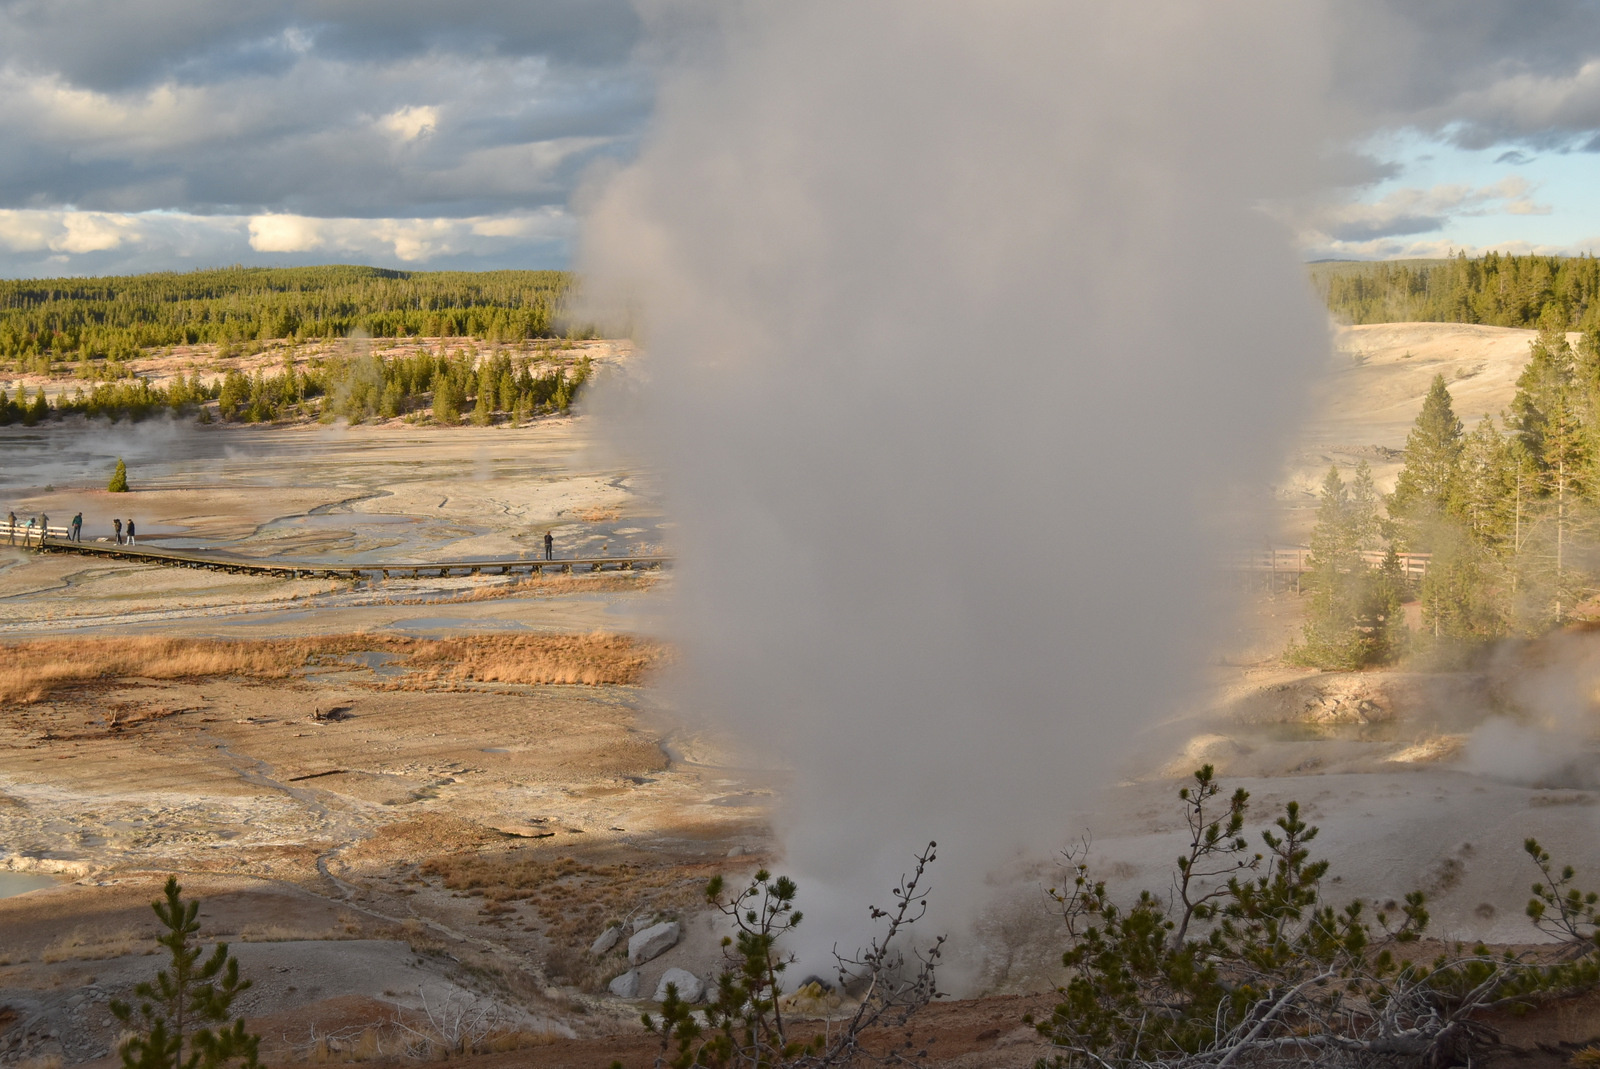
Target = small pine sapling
(183,1016)
(744,1026)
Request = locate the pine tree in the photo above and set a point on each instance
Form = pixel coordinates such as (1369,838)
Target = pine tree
(1354,611)
(1429,484)
(187,998)
(1543,384)
(446,399)
(119,479)
(1488,488)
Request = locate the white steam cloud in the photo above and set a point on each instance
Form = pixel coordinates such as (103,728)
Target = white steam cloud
(962,319)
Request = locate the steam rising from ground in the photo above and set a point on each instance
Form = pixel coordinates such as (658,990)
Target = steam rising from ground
(962,319)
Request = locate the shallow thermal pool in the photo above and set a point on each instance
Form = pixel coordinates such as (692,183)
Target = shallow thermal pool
(20,883)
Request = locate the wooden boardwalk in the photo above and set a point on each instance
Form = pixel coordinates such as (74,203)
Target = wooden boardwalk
(57,542)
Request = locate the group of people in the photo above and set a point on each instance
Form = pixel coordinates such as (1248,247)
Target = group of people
(37,527)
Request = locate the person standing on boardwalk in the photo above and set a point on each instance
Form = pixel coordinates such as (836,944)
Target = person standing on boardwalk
(549,546)
(27,535)
(44,527)
(76,534)
(117,524)
(130,531)
(11,523)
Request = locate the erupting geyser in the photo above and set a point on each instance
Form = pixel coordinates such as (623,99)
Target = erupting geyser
(961,320)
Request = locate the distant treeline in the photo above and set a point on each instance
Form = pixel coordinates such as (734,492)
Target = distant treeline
(1494,289)
(497,388)
(78,318)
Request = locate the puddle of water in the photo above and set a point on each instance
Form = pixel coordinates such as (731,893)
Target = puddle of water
(20,883)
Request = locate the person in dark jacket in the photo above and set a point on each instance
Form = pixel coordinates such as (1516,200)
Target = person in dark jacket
(130,531)
(76,534)
(117,525)
(549,546)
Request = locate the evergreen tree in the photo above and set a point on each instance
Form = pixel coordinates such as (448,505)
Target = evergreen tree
(119,479)
(1354,613)
(1457,603)
(1543,385)
(1428,486)
(447,399)
(188,998)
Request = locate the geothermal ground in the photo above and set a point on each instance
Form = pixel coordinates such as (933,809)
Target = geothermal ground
(417,804)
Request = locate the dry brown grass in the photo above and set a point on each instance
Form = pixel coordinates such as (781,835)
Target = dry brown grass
(35,670)
(97,946)
(591,659)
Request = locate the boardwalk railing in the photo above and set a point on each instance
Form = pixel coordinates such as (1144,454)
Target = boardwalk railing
(226,562)
(22,535)
(1296,560)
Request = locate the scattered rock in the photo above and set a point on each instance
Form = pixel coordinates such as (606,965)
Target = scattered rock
(737,851)
(606,941)
(644,921)
(653,942)
(626,985)
(690,987)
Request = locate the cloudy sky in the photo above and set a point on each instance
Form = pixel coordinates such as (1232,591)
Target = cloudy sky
(171,134)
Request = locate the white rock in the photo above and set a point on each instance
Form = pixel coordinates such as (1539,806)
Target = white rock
(626,985)
(653,942)
(690,987)
(607,940)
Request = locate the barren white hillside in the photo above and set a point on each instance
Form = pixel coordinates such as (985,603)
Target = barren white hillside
(1364,406)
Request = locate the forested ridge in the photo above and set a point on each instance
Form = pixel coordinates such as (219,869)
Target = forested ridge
(489,388)
(1493,289)
(116,317)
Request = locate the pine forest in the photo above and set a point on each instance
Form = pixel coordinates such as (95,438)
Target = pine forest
(1508,512)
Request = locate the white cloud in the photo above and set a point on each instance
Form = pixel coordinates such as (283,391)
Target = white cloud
(408,240)
(1402,213)
(64,241)
(23,230)
(284,233)
(93,232)
(408,124)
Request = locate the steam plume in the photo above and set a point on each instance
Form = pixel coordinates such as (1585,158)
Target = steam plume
(961,319)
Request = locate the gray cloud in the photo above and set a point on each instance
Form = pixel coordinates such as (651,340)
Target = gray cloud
(1330,228)
(410,109)
(1497,72)
(386,110)
(114,47)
